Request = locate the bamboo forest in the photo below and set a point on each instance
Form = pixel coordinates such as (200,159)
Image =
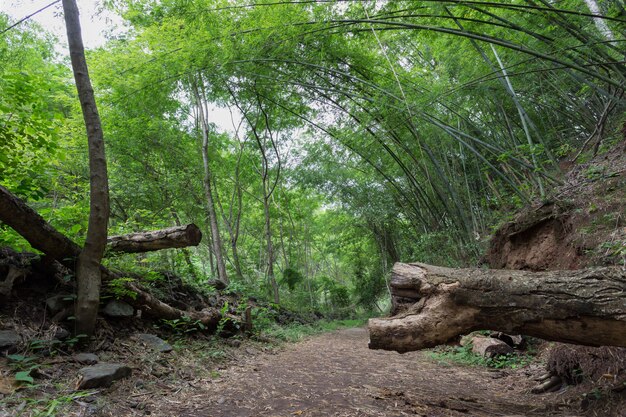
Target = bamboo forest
(214,208)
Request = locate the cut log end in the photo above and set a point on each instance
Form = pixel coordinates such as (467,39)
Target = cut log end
(438,321)
(438,304)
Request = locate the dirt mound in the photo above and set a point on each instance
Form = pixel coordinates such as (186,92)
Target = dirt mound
(583,223)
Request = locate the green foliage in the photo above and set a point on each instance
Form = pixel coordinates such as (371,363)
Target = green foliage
(388,132)
(21,362)
(296,332)
(24,366)
(464,355)
(183,325)
(225,319)
(117,288)
(614,249)
(24,376)
(369,285)
(50,406)
(291,278)
(336,295)
(236,287)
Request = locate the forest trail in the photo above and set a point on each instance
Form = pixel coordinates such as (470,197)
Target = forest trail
(335,374)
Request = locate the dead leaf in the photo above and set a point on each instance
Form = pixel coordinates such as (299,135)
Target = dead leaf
(8,385)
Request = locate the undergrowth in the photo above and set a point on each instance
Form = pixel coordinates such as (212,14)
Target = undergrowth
(464,355)
(294,332)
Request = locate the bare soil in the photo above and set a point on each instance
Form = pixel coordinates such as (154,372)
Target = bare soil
(581,223)
(335,374)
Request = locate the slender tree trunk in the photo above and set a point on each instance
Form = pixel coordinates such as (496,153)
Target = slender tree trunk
(270,247)
(233,221)
(208,188)
(603,28)
(88,267)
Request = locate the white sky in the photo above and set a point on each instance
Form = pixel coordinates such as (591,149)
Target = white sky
(95,26)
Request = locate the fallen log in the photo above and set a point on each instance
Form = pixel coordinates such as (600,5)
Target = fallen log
(436,304)
(172,237)
(31,226)
(42,236)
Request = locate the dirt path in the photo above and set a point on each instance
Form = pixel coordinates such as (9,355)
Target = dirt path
(336,375)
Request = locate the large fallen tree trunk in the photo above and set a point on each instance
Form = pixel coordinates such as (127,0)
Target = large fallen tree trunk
(172,237)
(585,307)
(45,238)
(32,227)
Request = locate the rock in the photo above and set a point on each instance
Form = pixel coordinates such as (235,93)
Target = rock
(252,351)
(57,303)
(86,358)
(233,342)
(101,375)
(467,339)
(9,339)
(61,334)
(116,308)
(155,342)
(488,347)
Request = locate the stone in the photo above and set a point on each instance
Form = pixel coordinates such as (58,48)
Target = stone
(117,308)
(58,302)
(86,358)
(101,375)
(155,342)
(61,334)
(233,342)
(467,339)
(252,351)
(9,339)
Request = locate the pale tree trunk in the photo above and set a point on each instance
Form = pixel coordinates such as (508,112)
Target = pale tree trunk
(208,186)
(232,221)
(268,186)
(603,28)
(270,247)
(88,267)
(268,190)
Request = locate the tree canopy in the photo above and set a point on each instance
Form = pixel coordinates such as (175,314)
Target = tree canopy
(363,132)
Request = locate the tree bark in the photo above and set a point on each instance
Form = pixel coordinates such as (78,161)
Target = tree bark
(600,23)
(186,253)
(208,187)
(30,225)
(172,237)
(435,304)
(88,266)
(45,238)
